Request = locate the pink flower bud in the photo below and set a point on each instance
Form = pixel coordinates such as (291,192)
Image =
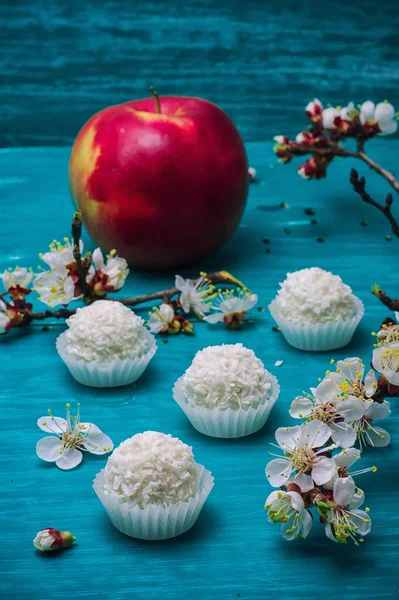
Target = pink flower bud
(52,539)
(314,110)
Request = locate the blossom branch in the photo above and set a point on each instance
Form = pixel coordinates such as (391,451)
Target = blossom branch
(359,185)
(391,303)
(76,235)
(165,295)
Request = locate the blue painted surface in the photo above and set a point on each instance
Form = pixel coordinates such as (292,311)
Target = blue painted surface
(232,551)
(63,60)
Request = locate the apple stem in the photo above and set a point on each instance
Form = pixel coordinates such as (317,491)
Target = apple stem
(156,99)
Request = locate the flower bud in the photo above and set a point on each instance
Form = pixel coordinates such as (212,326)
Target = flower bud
(174,327)
(52,539)
(187,328)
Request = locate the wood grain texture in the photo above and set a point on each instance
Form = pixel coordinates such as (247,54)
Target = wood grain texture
(62,61)
(232,552)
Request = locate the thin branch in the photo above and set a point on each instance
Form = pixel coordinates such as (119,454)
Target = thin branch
(380,170)
(214,278)
(76,235)
(391,303)
(359,185)
(165,295)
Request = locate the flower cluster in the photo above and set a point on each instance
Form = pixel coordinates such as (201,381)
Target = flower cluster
(329,127)
(202,300)
(67,277)
(386,356)
(312,474)
(70,276)
(313,469)
(349,402)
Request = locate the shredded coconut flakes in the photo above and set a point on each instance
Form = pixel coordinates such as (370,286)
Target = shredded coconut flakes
(151,468)
(227,376)
(315,296)
(106,330)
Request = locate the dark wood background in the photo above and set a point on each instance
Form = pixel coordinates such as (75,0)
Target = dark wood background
(63,60)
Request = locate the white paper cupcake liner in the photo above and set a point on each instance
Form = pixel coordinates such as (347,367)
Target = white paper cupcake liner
(155,522)
(227,423)
(106,374)
(320,336)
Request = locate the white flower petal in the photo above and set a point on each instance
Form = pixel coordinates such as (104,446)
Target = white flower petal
(315,434)
(362,520)
(397,316)
(347,457)
(378,410)
(344,489)
(388,127)
(326,391)
(250,302)
(329,533)
(351,408)
(305,482)
(274,495)
(367,111)
(377,437)
(96,442)
(328,117)
(350,366)
(384,111)
(343,434)
(301,408)
(370,383)
(307,522)
(287,437)
(323,470)
(214,318)
(69,459)
(278,471)
(358,499)
(52,424)
(296,501)
(49,448)
(98,259)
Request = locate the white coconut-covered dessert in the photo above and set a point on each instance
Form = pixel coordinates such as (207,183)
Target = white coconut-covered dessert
(106,330)
(315,296)
(316,310)
(151,468)
(226,377)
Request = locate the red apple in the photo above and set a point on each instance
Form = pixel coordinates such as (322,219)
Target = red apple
(162,188)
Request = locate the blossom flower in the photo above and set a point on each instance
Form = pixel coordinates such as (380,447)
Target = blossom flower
(193,294)
(282,148)
(378,119)
(55,287)
(301,457)
(231,307)
(389,331)
(315,167)
(327,406)
(314,110)
(339,118)
(50,539)
(344,520)
(386,361)
(109,276)
(73,437)
(20,277)
(60,254)
(288,508)
(344,460)
(5,321)
(163,320)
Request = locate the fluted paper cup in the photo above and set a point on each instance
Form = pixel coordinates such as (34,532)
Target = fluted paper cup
(228,423)
(320,336)
(106,374)
(155,522)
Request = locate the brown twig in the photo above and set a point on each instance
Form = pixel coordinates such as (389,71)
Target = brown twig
(76,235)
(359,185)
(165,295)
(391,303)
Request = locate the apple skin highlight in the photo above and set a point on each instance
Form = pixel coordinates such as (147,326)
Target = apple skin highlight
(164,190)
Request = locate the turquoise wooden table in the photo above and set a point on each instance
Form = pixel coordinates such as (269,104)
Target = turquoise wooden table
(232,551)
